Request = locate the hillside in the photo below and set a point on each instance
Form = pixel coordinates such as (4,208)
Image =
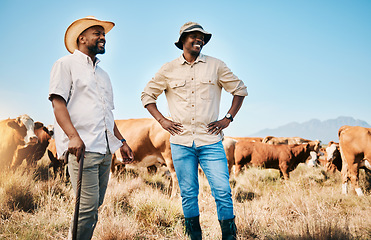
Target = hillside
(313,129)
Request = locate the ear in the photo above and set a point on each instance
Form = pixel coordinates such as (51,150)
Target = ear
(307,146)
(50,133)
(18,120)
(81,39)
(14,124)
(38,125)
(51,156)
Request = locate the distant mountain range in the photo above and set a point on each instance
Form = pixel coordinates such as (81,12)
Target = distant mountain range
(325,131)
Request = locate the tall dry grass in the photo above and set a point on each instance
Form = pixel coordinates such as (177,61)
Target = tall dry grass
(309,206)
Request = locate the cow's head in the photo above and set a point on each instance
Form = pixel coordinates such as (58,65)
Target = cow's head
(24,125)
(333,158)
(51,130)
(43,134)
(315,146)
(331,152)
(266,139)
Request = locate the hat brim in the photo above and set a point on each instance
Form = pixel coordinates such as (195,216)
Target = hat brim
(80,25)
(208,35)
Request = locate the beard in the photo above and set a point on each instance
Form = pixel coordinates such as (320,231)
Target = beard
(95,49)
(195,53)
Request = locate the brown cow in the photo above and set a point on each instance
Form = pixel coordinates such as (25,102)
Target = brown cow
(58,164)
(229,144)
(282,157)
(33,153)
(150,144)
(332,159)
(312,161)
(355,149)
(15,132)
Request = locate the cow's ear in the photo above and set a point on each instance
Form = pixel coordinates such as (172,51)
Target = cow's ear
(13,124)
(18,120)
(38,125)
(50,133)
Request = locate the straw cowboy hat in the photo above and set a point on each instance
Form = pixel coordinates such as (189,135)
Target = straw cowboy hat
(80,25)
(191,27)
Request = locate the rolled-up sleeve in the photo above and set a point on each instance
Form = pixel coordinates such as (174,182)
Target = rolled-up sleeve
(60,80)
(153,89)
(230,82)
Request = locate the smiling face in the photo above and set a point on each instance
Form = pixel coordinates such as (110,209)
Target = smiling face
(193,43)
(92,40)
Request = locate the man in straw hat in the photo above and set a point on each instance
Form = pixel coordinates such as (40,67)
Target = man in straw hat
(82,99)
(193,83)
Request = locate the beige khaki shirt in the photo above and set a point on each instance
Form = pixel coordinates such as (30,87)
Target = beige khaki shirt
(193,93)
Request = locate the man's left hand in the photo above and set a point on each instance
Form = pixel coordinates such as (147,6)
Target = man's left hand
(217,126)
(126,153)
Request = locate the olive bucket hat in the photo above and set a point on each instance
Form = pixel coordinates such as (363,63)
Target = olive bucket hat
(80,25)
(191,27)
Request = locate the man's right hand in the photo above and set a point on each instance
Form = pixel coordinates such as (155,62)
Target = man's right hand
(172,127)
(77,147)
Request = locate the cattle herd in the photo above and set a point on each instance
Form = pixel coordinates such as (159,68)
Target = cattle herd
(24,139)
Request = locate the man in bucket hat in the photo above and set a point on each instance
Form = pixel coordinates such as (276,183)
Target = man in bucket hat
(82,99)
(192,85)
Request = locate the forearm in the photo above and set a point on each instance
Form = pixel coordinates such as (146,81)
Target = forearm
(116,132)
(63,117)
(152,109)
(170,126)
(236,105)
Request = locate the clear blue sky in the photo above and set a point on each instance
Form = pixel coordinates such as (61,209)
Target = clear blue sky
(299,59)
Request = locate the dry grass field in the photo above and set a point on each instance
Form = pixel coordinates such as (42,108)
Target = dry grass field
(309,206)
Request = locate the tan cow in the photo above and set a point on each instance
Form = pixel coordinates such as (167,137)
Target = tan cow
(355,150)
(285,140)
(33,153)
(15,132)
(150,144)
(251,139)
(282,157)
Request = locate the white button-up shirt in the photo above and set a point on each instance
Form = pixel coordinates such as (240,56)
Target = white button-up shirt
(87,90)
(193,92)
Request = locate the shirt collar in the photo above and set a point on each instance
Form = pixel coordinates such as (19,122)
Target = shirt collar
(85,58)
(200,58)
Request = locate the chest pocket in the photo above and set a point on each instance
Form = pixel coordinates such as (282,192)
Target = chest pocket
(207,89)
(178,88)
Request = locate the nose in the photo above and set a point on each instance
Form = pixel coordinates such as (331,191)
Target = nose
(33,140)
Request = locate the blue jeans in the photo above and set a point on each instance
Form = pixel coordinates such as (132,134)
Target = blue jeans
(213,162)
(94,183)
